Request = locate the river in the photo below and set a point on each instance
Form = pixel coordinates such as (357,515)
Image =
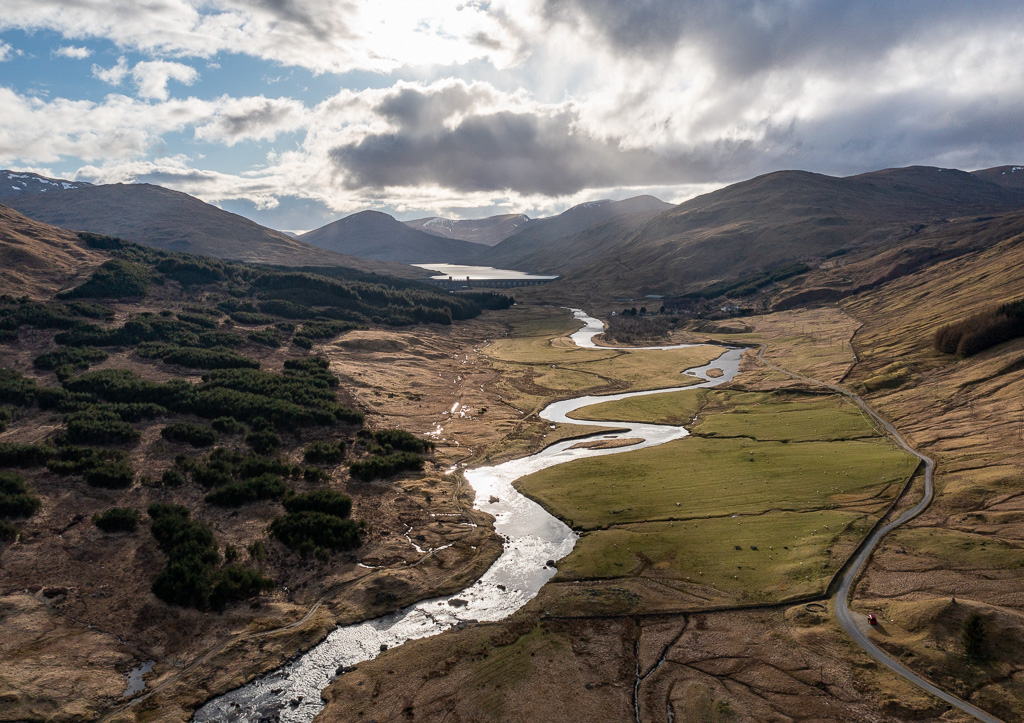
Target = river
(532,537)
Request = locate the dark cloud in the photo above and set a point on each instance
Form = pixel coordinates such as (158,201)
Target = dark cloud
(531,153)
(322,19)
(747,37)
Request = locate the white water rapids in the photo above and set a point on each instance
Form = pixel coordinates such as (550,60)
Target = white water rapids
(532,537)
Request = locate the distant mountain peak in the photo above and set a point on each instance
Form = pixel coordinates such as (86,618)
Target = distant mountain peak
(16,183)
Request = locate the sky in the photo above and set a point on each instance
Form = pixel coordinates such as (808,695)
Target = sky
(298,112)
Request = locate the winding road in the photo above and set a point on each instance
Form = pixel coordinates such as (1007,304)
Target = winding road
(853,622)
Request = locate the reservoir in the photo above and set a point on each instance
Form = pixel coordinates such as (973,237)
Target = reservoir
(457,276)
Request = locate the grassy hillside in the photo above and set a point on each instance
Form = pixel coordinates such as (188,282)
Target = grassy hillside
(173,221)
(375,235)
(772,221)
(37,259)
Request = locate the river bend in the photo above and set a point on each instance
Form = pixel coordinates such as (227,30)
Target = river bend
(531,535)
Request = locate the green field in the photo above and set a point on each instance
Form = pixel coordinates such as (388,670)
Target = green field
(699,477)
(791,474)
(539,363)
(676,408)
(782,554)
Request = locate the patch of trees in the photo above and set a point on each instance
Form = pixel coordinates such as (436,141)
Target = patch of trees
(197,357)
(16,498)
(325,452)
(386,441)
(327,501)
(97,425)
(77,358)
(117,519)
(973,636)
(114,279)
(751,283)
(191,577)
(387,465)
(314,532)
(25,455)
(235,494)
(981,331)
(269,337)
(197,435)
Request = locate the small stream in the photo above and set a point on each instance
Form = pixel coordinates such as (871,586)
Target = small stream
(532,538)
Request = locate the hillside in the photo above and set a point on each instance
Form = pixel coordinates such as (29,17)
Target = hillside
(174,221)
(774,220)
(1008,176)
(17,183)
(487,231)
(547,234)
(378,236)
(36,259)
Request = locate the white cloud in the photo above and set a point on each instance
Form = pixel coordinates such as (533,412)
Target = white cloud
(152,76)
(321,35)
(113,75)
(5,51)
(72,51)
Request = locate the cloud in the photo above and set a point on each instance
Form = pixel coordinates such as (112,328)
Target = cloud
(71,51)
(5,51)
(114,75)
(321,35)
(152,77)
(253,118)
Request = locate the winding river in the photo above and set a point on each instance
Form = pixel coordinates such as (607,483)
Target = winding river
(532,538)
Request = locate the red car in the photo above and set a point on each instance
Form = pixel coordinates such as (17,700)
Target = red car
(872,619)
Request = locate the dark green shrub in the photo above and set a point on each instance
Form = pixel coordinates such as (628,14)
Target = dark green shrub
(235,583)
(117,519)
(96,425)
(315,475)
(325,452)
(326,501)
(8,532)
(75,357)
(16,389)
(973,636)
(236,494)
(267,337)
(378,467)
(197,435)
(250,318)
(227,425)
(79,460)
(197,358)
(110,475)
(263,441)
(396,440)
(25,455)
(115,279)
(172,478)
(309,529)
(16,498)
(99,241)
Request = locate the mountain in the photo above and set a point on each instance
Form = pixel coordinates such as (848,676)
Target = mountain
(487,231)
(376,235)
(771,221)
(1008,176)
(37,259)
(174,221)
(15,183)
(542,234)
